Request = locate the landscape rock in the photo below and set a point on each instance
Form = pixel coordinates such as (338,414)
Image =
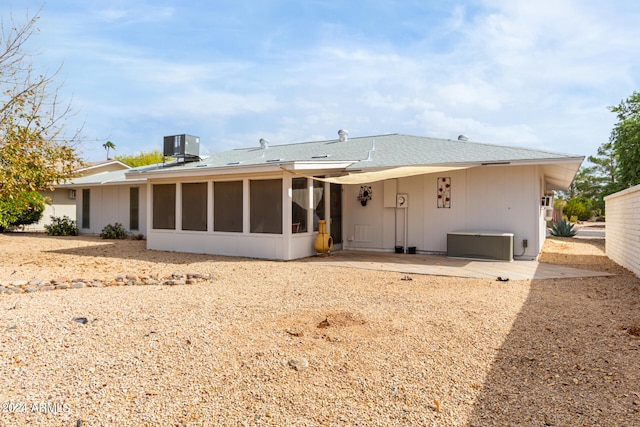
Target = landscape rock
(299,363)
(36,284)
(481,350)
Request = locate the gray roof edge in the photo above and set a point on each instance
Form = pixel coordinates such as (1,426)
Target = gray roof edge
(102,183)
(361,165)
(325,141)
(490,144)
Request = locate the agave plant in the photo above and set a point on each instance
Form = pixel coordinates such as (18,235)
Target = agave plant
(562,229)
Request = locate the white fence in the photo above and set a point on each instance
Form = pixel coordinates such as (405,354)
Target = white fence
(623,228)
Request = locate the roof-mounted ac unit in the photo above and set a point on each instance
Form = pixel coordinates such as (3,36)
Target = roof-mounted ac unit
(182,146)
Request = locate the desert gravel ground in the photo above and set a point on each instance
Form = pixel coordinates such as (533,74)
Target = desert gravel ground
(381,350)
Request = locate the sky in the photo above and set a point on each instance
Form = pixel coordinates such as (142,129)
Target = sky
(538,74)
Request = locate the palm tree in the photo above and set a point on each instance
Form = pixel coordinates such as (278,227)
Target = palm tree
(108,146)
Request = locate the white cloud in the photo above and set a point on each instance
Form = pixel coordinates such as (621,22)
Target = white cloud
(475,93)
(438,123)
(130,13)
(214,103)
(525,73)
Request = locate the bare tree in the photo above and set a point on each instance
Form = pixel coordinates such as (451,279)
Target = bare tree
(37,150)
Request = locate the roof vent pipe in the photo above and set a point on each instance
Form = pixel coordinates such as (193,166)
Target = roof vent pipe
(462,138)
(264,143)
(342,134)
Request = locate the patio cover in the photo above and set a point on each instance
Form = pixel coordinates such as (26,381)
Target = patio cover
(380,175)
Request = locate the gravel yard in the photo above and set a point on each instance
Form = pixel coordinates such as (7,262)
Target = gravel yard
(292,343)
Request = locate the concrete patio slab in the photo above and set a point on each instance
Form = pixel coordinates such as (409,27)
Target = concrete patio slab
(440,265)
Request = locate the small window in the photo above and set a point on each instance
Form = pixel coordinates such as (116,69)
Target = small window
(134,208)
(227,206)
(194,206)
(265,198)
(164,206)
(299,205)
(86,208)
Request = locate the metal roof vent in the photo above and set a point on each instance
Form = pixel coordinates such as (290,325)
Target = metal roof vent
(264,143)
(462,138)
(342,134)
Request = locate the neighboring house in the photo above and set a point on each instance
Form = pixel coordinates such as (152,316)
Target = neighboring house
(109,198)
(62,200)
(376,193)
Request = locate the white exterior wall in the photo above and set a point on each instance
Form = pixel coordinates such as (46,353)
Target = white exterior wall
(483,199)
(110,204)
(623,228)
(59,205)
(283,246)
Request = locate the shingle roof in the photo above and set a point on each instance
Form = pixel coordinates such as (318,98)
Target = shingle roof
(360,155)
(106,178)
(381,151)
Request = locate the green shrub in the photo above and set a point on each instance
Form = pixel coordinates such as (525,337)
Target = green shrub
(142,159)
(22,209)
(64,226)
(115,231)
(562,229)
(578,207)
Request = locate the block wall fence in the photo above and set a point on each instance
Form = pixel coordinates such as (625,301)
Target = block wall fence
(623,228)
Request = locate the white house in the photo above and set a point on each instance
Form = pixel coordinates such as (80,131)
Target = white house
(62,200)
(377,193)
